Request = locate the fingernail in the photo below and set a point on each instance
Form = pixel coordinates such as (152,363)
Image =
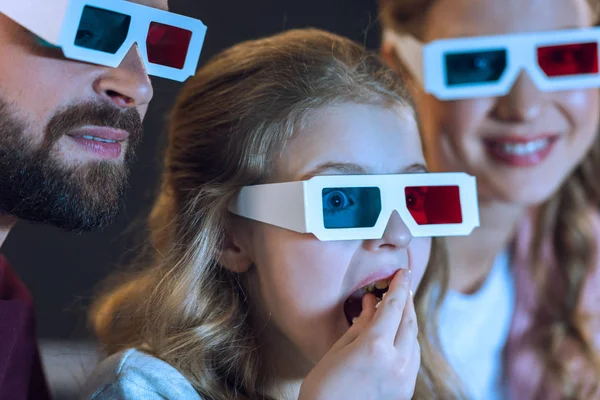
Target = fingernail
(411,293)
(383,296)
(378,303)
(354,319)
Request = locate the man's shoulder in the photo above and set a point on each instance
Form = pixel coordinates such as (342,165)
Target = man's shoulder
(11,287)
(132,374)
(21,373)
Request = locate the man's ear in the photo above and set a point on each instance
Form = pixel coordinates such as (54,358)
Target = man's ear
(235,254)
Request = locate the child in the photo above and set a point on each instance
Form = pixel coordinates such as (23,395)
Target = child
(294,193)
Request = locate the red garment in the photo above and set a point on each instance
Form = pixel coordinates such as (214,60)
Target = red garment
(21,373)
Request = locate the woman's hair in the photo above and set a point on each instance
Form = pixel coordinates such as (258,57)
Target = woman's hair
(228,125)
(565,215)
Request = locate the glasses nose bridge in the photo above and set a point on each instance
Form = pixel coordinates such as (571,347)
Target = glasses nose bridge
(392,201)
(522,60)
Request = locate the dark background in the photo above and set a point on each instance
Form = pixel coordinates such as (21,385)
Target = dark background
(62,269)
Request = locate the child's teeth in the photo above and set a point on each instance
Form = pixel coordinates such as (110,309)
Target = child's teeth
(382,284)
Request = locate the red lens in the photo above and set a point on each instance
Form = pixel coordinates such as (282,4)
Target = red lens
(431,205)
(167,45)
(568,59)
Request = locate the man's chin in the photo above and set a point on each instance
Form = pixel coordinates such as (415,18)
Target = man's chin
(69,213)
(59,183)
(70,224)
(81,199)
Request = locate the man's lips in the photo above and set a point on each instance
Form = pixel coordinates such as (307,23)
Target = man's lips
(102,142)
(103,133)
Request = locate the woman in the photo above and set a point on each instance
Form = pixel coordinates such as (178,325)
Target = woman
(518,109)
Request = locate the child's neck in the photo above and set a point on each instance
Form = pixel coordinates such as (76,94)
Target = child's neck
(286,365)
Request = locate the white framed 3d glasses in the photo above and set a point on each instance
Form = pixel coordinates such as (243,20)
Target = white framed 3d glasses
(103,31)
(352,207)
(487,66)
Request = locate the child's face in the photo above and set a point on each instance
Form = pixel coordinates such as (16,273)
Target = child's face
(303,282)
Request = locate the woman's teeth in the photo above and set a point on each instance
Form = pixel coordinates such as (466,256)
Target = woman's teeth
(521,149)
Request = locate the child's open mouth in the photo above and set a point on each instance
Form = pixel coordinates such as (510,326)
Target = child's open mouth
(353,304)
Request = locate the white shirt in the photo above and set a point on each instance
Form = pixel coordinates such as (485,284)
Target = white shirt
(474,329)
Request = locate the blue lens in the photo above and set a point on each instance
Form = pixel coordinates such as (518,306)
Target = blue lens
(102,30)
(351,207)
(467,68)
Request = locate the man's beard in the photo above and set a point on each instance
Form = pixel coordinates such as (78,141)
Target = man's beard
(36,185)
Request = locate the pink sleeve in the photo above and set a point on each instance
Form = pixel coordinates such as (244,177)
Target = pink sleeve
(589,303)
(525,374)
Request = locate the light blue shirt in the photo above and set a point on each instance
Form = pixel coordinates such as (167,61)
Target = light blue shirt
(132,374)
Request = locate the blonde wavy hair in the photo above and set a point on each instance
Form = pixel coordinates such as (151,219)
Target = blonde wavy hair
(565,216)
(228,125)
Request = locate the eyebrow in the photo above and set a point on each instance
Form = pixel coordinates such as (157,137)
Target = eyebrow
(351,168)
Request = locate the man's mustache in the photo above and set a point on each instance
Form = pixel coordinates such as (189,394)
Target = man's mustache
(94,114)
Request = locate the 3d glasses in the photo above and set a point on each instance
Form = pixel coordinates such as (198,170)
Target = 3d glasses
(103,31)
(487,66)
(353,207)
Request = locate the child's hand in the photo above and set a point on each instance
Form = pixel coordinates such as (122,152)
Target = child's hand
(378,358)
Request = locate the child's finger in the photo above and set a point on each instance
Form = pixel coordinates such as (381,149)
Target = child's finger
(409,329)
(386,320)
(363,320)
(414,363)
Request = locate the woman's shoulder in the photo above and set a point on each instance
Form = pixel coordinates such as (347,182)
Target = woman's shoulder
(133,374)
